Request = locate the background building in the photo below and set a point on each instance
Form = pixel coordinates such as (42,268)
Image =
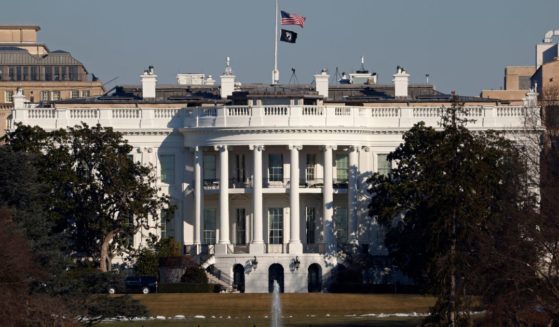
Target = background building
(543,76)
(41,74)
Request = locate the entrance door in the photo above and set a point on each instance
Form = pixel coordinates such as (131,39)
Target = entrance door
(239,277)
(275,272)
(315,278)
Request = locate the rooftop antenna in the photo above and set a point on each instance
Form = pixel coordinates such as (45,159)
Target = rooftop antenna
(337,76)
(427,78)
(293,77)
(362,63)
(111,80)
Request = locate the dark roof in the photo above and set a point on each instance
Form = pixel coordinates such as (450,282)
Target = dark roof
(290,91)
(351,94)
(11,27)
(10,56)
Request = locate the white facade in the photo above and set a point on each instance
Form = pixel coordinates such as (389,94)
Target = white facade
(270,185)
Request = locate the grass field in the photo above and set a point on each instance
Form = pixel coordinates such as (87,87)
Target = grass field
(314,309)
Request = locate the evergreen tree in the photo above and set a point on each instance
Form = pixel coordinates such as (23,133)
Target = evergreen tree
(97,194)
(449,189)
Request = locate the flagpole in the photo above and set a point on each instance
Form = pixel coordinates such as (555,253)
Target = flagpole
(275,72)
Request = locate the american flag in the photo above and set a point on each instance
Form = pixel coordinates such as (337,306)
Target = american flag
(292,19)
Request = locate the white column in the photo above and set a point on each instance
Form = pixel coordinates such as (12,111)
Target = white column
(257,244)
(295,245)
(198,198)
(221,247)
(352,190)
(328,199)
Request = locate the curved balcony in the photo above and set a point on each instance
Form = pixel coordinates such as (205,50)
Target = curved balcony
(494,117)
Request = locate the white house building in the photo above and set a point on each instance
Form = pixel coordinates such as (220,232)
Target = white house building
(270,180)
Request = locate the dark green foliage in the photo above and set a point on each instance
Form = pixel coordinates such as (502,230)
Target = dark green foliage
(147,263)
(148,259)
(449,190)
(70,193)
(97,194)
(185,288)
(194,274)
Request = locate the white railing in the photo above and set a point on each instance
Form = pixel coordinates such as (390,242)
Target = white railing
(511,111)
(41,113)
(165,113)
(276,110)
(428,112)
(385,112)
(342,111)
(239,111)
(126,113)
(490,117)
(84,114)
(313,111)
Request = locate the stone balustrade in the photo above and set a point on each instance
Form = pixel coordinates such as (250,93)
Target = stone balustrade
(490,117)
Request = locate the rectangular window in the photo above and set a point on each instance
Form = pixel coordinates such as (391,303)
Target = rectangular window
(310,217)
(384,165)
(64,73)
(18,72)
(11,73)
(57,73)
(310,169)
(25,73)
(209,225)
(55,95)
(74,94)
(166,224)
(275,167)
(48,73)
(73,73)
(85,93)
(275,225)
(240,168)
(34,73)
(167,168)
(240,221)
(45,95)
(340,224)
(210,173)
(1,72)
(341,167)
(9,96)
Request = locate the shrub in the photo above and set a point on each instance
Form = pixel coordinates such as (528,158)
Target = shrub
(194,275)
(186,288)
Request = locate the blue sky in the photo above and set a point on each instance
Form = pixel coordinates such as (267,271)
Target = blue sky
(463,45)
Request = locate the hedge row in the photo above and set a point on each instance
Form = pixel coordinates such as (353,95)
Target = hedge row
(370,288)
(186,288)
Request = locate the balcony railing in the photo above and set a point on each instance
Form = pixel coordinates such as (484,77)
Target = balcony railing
(490,116)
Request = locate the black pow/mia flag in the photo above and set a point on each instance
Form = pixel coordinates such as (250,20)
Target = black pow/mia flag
(288,36)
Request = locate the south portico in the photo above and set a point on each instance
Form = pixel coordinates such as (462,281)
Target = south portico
(315,181)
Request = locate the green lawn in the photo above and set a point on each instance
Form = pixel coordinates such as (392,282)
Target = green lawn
(314,309)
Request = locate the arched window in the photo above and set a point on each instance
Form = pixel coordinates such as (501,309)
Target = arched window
(275,272)
(315,278)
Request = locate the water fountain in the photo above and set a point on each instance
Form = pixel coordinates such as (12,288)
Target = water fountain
(276,306)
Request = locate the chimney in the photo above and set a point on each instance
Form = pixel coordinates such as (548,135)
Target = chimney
(227,80)
(19,99)
(321,83)
(401,82)
(149,82)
